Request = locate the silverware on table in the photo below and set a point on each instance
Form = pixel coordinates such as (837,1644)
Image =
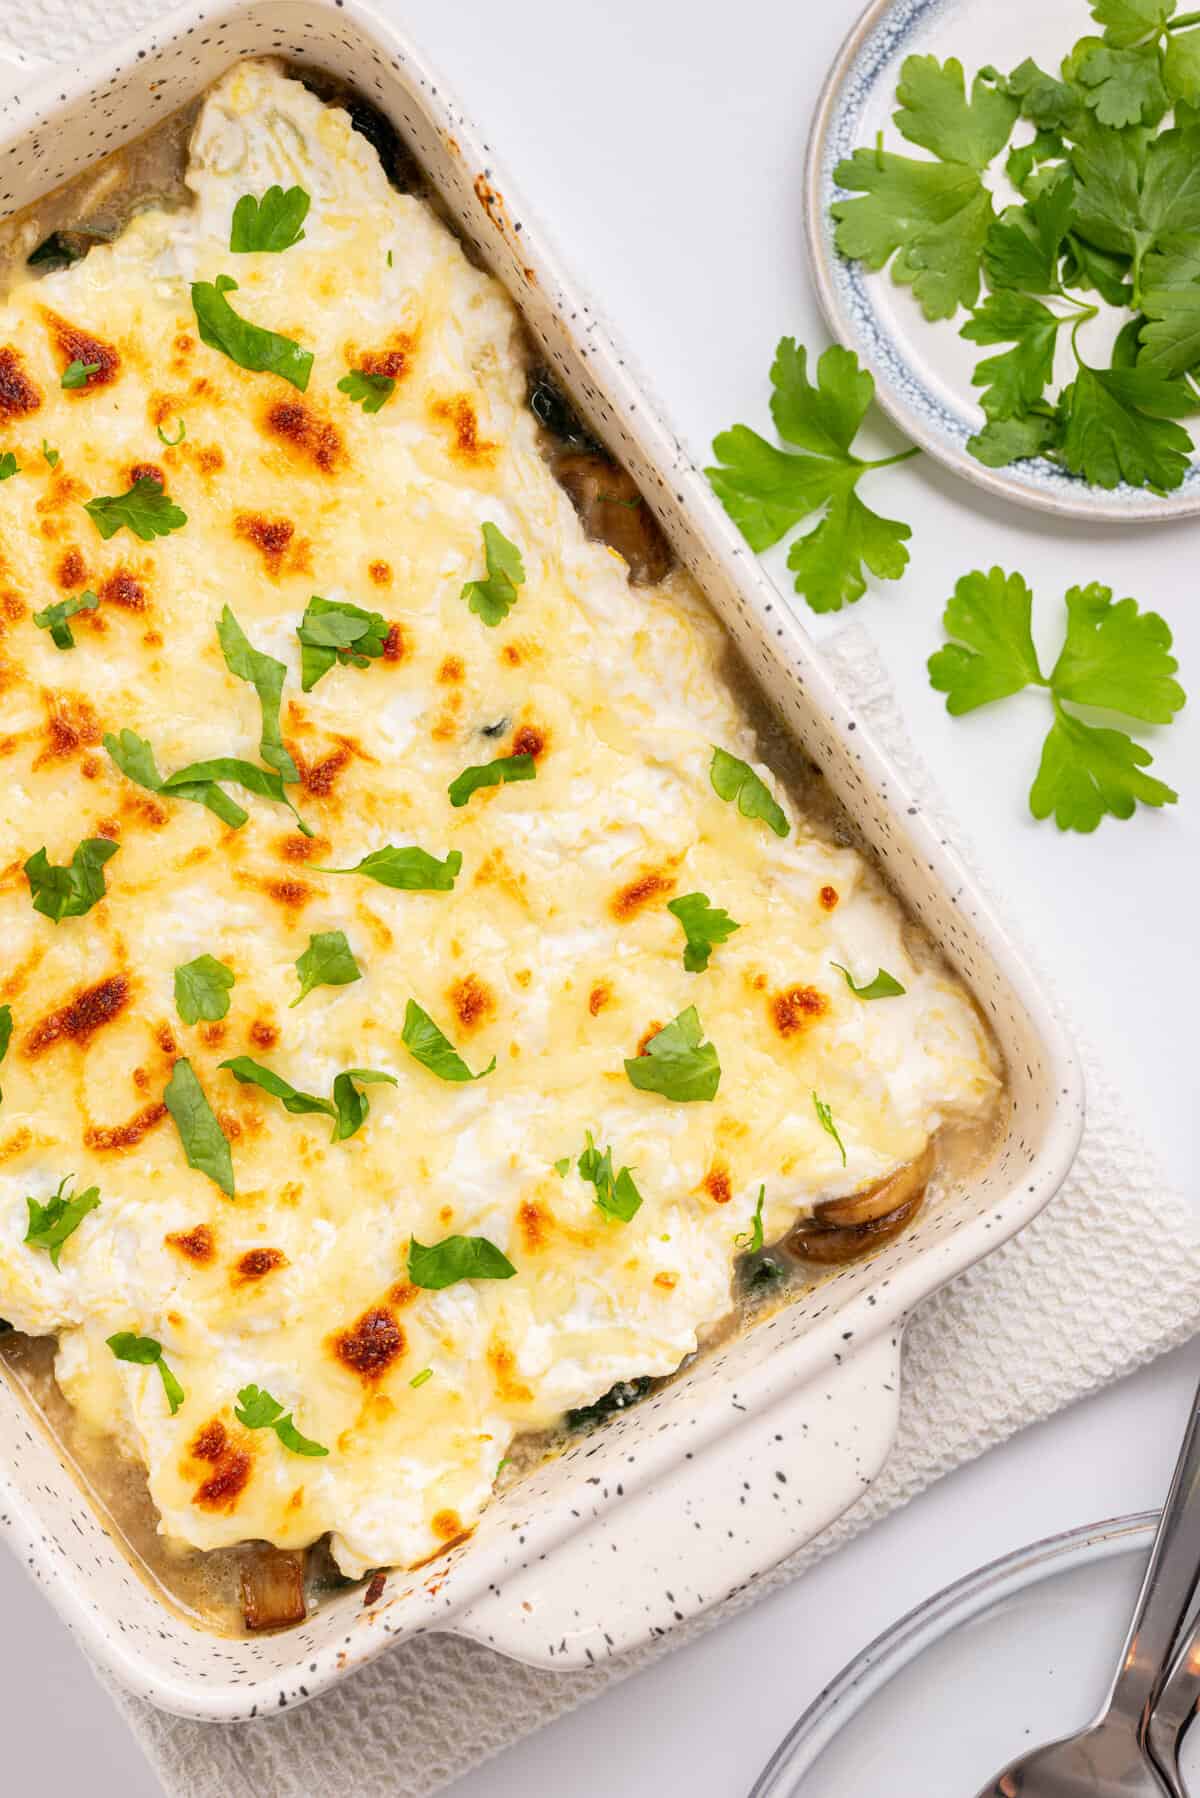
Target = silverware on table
(1112,1757)
(1176,1707)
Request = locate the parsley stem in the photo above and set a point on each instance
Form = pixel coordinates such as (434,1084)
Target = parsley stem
(1182,22)
(890,461)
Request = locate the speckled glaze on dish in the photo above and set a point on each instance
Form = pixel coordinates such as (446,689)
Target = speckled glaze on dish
(688,1496)
(938,414)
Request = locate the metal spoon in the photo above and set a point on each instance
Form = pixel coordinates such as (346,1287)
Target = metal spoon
(1110,1758)
(1176,1708)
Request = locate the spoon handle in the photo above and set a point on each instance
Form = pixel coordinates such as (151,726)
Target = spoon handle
(1167,1590)
(1177,1703)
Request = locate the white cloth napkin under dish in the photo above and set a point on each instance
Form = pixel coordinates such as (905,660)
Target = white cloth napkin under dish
(1107,1278)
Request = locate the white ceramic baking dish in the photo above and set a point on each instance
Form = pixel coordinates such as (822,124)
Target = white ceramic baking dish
(689,1495)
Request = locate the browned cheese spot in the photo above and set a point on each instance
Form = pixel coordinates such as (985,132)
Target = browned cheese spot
(72,344)
(451,671)
(371,1345)
(270,536)
(717,1184)
(72,569)
(292,894)
(213,1032)
(393,644)
(528,739)
(511,654)
(105,827)
(223,1488)
(256,1264)
(198,1244)
(210,1441)
(164,1037)
(401,1294)
(146,471)
(668,1282)
(381,573)
(468,446)
(828,897)
(647,1037)
(263,1034)
(447,1524)
(295,848)
(18,394)
(473,1001)
(305,433)
(599,997)
(108,1137)
(71,725)
(393,362)
(80,1018)
(535,1224)
(318,778)
(654,884)
(123,589)
(503,1364)
(796,1008)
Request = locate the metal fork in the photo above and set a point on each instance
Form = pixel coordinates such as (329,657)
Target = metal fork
(1176,1708)
(1110,1758)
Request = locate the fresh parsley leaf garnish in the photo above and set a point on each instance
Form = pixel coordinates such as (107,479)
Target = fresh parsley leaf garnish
(249,345)
(51,1224)
(134,757)
(704,925)
(766,490)
(441,1264)
(420,1379)
(78,374)
(491,774)
(266,676)
(199,777)
(562,1167)
(272,223)
(1025,243)
(493,599)
(332,630)
(6,1027)
(408,870)
(1114,658)
(1119,426)
(202,989)
(677,1063)
(54,618)
(204,1142)
(427,1044)
(256,1409)
(752,1239)
(348,1107)
(616,1194)
(736,780)
(825,1119)
(328,961)
(181,433)
(51,456)
(72,891)
(144,1351)
(9,466)
(882,986)
(145,510)
(371,392)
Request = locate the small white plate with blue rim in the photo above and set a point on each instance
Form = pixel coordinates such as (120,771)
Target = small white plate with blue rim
(923,369)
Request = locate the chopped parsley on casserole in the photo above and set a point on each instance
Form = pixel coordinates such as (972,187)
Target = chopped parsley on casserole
(359,718)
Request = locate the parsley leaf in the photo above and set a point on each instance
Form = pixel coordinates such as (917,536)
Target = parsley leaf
(936,113)
(616,1194)
(1181,66)
(930,219)
(256,1409)
(181,433)
(78,374)
(1122,87)
(1087,773)
(249,345)
(766,490)
(1015,381)
(1114,657)
(1005,440)
(441,1264)
(493,598)
(736,780)
(994,655)
(1129,22)
(1170,339)
(9,466)
(348,1108)
(263,782)
(54,618)
(825,1118)
(51,455)
(266,676)
(51,1224)
(491,774)
(6,1026)
(752,1239)
(146,1352)
(72,891)
(1024,244)
(272,223)
(408,870)
(426,1044)
(1118,427)
(202,989)
(145,510)
(134,757)
(328,961)
(205,1144)
(351,1106)
(883,986)
(332,630)
(677,1063)
(704,925)
(371,392)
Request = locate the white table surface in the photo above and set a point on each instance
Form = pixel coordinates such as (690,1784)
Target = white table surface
(662,143)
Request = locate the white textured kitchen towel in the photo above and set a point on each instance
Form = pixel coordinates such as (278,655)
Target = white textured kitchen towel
(1107,1278)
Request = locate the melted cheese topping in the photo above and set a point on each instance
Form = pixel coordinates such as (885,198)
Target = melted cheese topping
(555,953)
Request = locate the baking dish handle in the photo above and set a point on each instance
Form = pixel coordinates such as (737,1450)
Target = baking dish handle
(689,1540)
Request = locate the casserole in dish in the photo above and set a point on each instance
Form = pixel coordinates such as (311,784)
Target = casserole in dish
(754,1371)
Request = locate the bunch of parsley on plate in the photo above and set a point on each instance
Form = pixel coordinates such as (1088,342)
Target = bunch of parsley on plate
(1107,185)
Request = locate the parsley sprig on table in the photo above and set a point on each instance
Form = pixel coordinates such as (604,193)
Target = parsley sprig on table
(766,490)
(1107,215)
(1114,658)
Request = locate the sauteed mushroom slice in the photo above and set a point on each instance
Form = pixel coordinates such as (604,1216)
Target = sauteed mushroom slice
(272,1582)
(833,1244)
(614,512)
(880,1198)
